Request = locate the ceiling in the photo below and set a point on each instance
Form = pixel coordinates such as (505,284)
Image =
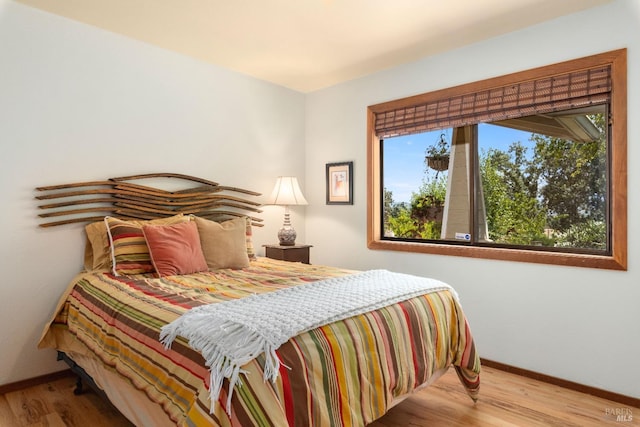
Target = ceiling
(307,45)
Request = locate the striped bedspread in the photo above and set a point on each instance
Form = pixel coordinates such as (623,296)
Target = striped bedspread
(345,373)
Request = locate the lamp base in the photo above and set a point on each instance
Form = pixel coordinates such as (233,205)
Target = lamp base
(287,236)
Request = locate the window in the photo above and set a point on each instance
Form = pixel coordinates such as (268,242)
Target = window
(525,167)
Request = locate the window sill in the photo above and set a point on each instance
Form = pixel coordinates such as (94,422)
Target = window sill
(614,262)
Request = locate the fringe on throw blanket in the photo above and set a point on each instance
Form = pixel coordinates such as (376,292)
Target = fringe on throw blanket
(232,333)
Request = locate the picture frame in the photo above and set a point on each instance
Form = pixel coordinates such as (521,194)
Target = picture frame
(339,183)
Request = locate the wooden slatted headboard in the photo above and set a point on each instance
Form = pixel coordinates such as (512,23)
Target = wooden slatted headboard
(122,198)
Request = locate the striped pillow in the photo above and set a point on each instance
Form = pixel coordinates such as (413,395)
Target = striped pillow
(129,250)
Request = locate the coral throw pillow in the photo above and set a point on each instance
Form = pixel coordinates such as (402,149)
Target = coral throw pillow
(175,249)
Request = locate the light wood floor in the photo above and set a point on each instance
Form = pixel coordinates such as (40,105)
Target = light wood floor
(505,400)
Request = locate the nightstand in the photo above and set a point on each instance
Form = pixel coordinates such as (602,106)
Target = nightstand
(296,253)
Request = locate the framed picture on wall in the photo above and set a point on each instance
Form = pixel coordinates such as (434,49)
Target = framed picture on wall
(340,183)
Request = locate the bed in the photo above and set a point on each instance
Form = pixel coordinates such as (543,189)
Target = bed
(348,371)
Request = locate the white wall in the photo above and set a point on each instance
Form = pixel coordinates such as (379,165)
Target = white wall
(78,103)
(578,324)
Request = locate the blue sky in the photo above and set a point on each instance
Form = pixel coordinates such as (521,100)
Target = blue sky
(404,155)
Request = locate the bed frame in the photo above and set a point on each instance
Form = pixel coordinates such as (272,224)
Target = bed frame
(81,376)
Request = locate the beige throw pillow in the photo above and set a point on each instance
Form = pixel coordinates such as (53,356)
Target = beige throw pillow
(224,244)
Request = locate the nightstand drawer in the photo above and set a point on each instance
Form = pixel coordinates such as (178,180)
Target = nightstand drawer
(297,253)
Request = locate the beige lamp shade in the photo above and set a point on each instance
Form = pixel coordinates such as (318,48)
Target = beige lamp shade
(287,192)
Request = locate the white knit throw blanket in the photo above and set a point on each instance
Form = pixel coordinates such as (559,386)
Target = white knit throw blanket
(232,333)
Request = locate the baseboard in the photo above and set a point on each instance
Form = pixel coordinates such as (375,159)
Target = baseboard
(20,385)
(604,394)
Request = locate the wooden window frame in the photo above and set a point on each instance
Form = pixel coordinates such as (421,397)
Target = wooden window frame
(617,260)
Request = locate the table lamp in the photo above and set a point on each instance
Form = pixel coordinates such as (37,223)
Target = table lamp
(287,193)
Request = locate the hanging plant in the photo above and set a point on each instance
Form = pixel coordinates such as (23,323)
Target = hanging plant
(437,155)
